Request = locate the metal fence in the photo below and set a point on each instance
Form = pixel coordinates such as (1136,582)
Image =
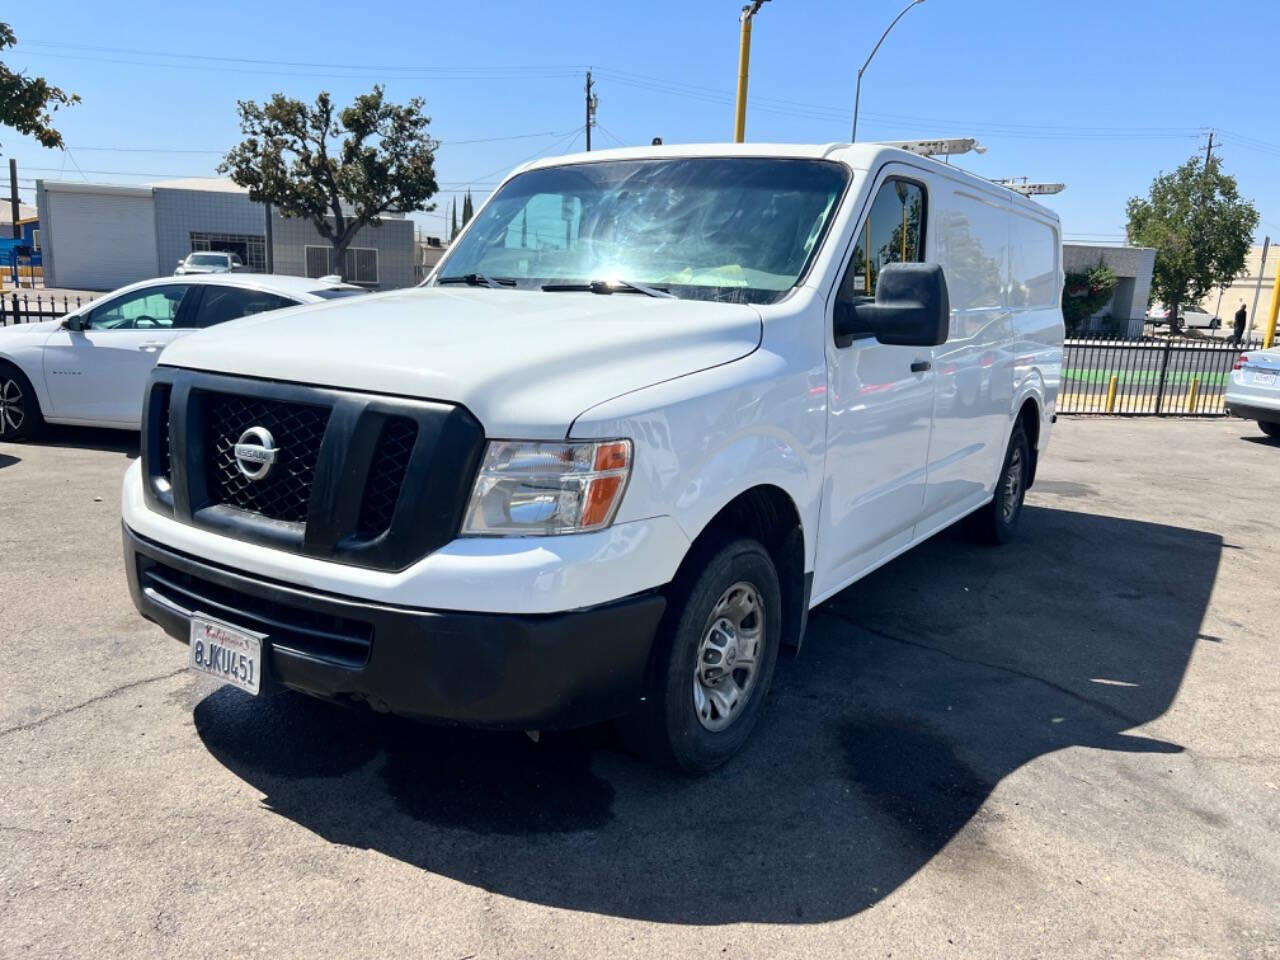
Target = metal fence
(1148,377)
(25,308)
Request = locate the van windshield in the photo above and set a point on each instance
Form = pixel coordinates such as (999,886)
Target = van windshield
(718,228)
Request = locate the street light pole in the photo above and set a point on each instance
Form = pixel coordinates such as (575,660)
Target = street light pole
(857,96)
(744,61)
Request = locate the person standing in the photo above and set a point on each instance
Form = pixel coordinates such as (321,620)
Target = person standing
(1242,315)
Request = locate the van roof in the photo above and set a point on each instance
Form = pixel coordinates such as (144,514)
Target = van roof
(857,156)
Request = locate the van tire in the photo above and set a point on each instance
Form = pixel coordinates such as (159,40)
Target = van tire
(997,522)
(1272,430)
(700,632)
(20,417)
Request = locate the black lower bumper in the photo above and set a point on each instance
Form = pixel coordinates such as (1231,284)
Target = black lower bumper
(1246,412)
(532,672)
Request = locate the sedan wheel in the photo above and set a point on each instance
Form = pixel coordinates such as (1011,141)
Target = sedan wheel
(19,409)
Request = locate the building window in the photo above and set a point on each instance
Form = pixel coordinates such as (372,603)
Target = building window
(362,263)
(252,250)
(35,240)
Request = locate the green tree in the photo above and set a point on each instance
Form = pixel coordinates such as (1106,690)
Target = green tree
(453,217)
(1200,227)
(27,104)
(291,157)
(467,209)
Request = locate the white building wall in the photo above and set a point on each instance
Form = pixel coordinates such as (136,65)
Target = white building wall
(99,237)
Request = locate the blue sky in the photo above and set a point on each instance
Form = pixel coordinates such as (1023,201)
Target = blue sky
(1100,95)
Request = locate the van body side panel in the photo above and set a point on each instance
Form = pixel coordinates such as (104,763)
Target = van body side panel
(1035,288)
(972,370)
(879,413)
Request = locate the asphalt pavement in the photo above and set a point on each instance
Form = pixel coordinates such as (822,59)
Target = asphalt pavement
(1067,747)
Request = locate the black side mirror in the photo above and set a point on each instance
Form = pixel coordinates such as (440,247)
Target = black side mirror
(911,308)
(74,324)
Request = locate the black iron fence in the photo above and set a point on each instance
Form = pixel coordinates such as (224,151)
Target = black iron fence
(1148,377)
(29,308)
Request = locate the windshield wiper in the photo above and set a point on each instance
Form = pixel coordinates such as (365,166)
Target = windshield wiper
(478,280)
(611,286)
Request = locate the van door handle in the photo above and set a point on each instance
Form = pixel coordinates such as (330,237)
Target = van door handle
(151,345)
(921,366)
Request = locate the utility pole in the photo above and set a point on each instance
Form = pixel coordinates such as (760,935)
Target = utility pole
(1208,152)
(1257,292)
(13,196)
(592,103)
(744,61)
(270,253)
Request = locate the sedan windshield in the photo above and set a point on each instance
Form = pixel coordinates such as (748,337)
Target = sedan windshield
(721,228)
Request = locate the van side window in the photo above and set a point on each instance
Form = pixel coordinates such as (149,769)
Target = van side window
(892,233)
(1034,264)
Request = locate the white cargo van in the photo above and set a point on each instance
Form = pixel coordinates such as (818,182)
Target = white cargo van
(651,408)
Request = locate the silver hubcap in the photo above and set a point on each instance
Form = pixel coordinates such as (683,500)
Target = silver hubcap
(729,656)
(1013,485)
(11,407)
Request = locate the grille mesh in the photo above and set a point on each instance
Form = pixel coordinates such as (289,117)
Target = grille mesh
(386,475)
(161,395)
(285,492)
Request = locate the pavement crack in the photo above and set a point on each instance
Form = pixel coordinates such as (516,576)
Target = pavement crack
(1003,668)
(123,688)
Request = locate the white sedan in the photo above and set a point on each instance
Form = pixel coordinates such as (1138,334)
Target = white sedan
(1254,390)
(90,367)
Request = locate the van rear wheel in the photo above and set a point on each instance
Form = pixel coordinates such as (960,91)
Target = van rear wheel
(997,522)
(714,663)
(1272,430)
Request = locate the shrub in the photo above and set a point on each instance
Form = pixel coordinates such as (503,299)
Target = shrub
(1084,294)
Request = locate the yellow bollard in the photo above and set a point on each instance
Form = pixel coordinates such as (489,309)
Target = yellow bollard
(1111,394)
(1269,338)
(1193,391)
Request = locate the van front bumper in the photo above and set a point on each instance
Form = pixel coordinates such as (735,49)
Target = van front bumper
(521,671)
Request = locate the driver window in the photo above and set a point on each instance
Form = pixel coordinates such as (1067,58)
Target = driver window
(892,233)
(153,308)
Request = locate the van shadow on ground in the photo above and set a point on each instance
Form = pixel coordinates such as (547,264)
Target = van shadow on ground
(918,689)
(89,438)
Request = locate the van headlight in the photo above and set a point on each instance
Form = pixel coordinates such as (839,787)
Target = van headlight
(536,488)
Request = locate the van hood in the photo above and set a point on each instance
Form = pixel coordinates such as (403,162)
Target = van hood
(525,362)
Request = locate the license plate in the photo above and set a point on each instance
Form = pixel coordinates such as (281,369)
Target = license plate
(1265,378)
(226,652)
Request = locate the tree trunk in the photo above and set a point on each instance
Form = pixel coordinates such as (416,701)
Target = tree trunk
(338,259)
(1175,322)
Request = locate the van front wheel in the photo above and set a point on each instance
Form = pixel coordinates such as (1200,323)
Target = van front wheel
(997,522)
(715,663)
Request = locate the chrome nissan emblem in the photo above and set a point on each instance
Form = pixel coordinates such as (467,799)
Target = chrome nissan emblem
(256,452)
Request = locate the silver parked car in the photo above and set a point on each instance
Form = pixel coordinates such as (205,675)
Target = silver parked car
(1254,391)
(209,261)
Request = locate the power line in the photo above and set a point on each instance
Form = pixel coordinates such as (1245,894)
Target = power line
(417,68)
(610,134)
(642,81)
(184,150)
(381,74)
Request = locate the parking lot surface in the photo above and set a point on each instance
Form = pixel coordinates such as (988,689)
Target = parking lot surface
(1067,747)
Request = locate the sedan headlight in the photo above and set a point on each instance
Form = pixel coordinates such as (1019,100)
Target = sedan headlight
(530,488)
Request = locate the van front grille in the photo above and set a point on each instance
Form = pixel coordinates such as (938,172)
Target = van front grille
(284,493)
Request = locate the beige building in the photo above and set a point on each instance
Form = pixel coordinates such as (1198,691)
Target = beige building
(1244,288)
